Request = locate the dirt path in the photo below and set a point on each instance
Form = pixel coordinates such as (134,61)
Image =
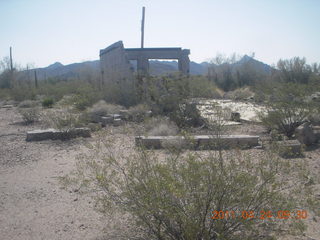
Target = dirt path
(32,203)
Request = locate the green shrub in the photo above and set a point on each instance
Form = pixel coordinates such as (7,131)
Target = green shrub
(187,115)
(47,102)
(286,109)
(30,115)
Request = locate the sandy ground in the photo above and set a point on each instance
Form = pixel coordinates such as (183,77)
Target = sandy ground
(33,203)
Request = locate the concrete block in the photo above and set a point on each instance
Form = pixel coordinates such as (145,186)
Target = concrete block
(117,122)
(305,135)
(96,118)
(153,142)
(208,142)
(124,114)
(39,135)
(53,134)
(317,135)
(290,148)
(79,132)
(114,116)
(106,120)
(204,142)
(7,106)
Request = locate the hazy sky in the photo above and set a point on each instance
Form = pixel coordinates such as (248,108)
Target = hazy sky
(46,31)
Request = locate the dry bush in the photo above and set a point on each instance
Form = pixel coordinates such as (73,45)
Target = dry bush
(239,94)
(30,115)
(63,119)
(176,196)
(138,113)
(28,104)
(102,108)
(161,127)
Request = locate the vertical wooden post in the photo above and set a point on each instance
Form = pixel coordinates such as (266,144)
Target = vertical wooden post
(35,79)
(11,70)
(142,26)
(11,64)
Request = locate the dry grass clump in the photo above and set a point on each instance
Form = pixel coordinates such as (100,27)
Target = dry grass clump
(28,104)
(239,94)
(102,108)
(30,115)
(161,126)
(63,119)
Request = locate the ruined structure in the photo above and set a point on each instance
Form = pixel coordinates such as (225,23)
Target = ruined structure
(115,60)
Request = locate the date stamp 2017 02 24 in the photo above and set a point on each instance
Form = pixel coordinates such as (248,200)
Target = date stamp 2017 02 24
(262,215)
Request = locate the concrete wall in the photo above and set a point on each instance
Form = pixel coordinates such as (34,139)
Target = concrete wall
(116,68)
(115,65)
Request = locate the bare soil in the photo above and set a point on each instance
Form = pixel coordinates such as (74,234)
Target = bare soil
(34,205)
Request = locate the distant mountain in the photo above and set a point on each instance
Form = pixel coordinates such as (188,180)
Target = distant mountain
(58,70)
(76,70)
(255,64)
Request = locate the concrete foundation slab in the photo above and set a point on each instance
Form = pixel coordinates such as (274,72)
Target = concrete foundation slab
(204,142)
(53,134)
(290,148)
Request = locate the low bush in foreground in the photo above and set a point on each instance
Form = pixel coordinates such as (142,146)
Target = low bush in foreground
(194,195)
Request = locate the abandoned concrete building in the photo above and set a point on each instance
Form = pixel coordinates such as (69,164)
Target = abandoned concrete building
(115,60)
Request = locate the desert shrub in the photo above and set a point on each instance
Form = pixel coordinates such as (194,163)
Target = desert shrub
(161,126)
(164,94)
(102,108)
(239,94)
(27,104)
(287,109)
(66,101)
(187,115)
(179,196)
(201,87)
(63,119)
(138,113)
(30,115)
(48,102)
(20,93)
(122,93)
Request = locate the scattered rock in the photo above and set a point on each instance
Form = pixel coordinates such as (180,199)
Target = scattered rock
(305,135)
